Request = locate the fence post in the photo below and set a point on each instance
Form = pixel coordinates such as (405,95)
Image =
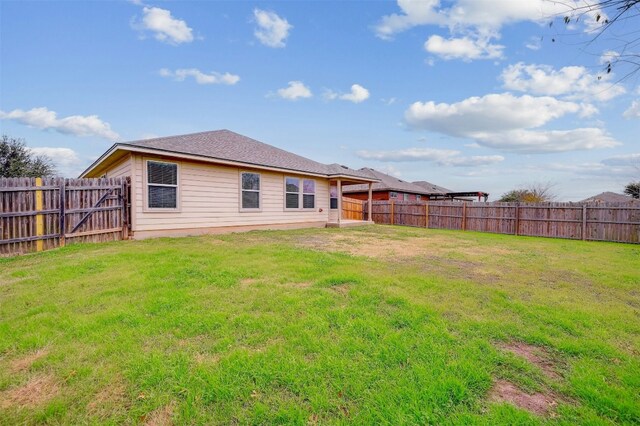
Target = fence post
(584,222)
(124,200)
(426,214)
(39,217)
(464,216)
(517,227)
(392,218)
(62,222)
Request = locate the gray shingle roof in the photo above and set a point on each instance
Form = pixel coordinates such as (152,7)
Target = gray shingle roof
(432,187)
(387,183)
(231,146)
(609,197)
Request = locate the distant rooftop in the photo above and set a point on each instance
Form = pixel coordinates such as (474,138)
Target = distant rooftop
(387,183)
(609,197)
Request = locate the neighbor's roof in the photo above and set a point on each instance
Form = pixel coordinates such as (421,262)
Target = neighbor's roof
(432,187)
(387,183)
(609,197)
(231,146)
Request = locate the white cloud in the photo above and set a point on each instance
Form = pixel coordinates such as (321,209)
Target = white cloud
(200,77)
(489,113)
(465,48)
(623,160)
(474,161)
(295,90)
(409,154)
(534,43)
(164,27)
(477,14)
(272,30)
(541,141)
(473,24)
(504,121)
(65,160)
(633,111)
(444,157)
(572,82)
(43,118)
(358,94)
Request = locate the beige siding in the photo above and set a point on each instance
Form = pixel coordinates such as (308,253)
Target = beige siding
(209,197)
(121,169)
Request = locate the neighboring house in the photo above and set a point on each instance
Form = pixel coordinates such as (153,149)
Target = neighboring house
(392,188)
(222,181)
(610,197)
(440,193)
(388,188)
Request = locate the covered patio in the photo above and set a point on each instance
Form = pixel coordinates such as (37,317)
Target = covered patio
(347,212)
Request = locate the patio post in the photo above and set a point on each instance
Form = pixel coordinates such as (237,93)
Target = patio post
(339,201)
(370,204)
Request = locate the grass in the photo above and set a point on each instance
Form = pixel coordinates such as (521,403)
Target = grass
(383,325)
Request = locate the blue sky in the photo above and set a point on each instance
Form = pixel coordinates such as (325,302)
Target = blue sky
(468,94)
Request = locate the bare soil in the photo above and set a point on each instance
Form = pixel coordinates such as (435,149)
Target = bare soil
(37,391)
(541,404)
(535,355)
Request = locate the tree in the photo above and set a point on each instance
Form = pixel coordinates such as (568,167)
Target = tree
(16,160)
(633,189)
(616,18)
(537,192)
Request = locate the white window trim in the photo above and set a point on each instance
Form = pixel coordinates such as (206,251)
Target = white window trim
(145,187)
(330,197)
(301,194)
(287,192)
(259,191)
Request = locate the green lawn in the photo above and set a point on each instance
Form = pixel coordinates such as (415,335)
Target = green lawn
(383,325)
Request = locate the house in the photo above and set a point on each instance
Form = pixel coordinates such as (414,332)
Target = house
(440,193)
(609,197)
(387,188)
(392,188)
(221,181)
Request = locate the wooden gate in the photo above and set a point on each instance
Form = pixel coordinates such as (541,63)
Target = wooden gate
(352,209)
(41,213)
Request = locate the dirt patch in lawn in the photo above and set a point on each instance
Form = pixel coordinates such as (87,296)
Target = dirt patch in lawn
(536,355)
(160,417)
(34,393)
(113,395)
(342,289)
(384,248)
(541,404)
(25,362)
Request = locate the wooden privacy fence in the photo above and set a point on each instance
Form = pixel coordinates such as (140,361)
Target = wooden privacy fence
(41,213)
(352,209)
(619,222)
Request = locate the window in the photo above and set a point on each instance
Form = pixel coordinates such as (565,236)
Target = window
(308,194)
(296,196)
(393,194)
(292,193)
(250,197)
(418,197)
(405,197)
(333,197)
(162,185)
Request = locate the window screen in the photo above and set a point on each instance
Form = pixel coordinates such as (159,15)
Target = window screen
(333,197)
(292,193)
(162,185)
(308,194)
(250,190)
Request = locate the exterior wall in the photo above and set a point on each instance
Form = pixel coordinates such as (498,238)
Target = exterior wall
(364,196)
(121,169)
(383,195)
(209,197)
